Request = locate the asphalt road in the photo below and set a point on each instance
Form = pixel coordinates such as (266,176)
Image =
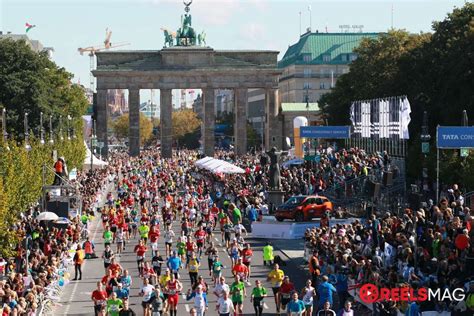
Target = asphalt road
(76,296)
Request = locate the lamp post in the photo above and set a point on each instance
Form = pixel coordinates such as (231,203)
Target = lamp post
(51,140)
(41,129)
(4,127)
(68,129)
(425,147)
(61,128)
(27,134)
(93,138)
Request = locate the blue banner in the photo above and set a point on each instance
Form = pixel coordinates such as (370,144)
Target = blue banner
(455,137)
(329,132)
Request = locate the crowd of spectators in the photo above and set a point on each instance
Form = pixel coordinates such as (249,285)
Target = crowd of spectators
(430,248)
(43,249)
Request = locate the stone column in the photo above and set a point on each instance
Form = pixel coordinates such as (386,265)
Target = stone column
(240,125)
(166,109)
(208,121)
(101,120)
(273,131)
(134,122)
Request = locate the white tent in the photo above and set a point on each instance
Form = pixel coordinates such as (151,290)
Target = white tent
(96,162)
(218,166)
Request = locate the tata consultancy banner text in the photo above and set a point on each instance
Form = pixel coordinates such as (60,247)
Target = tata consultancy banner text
(329,132)
(455,137)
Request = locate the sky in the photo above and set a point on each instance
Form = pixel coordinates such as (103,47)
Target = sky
(67,25)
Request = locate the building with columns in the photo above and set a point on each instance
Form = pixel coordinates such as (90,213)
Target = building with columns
(190,67)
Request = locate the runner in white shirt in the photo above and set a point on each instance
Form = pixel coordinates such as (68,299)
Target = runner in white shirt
(169,235)
(221,287)
(308,293)
(146,291)
(238,229)
(224,305)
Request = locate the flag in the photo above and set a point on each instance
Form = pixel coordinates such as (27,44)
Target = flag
(29,27)
(405,110)
(353,114)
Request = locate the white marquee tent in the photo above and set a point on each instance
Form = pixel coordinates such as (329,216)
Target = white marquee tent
(218,166)
(96,162)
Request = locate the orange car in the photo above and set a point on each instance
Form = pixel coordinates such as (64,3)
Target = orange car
(303,208)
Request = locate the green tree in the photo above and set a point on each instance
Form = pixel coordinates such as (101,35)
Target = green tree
(31,82)
(121,127)
(184,122)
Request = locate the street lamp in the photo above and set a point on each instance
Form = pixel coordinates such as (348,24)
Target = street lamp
(51,140)
(425,146)
(68,129)
(41,129)
(27,134)
(61,128)
(4,127)
(93,140)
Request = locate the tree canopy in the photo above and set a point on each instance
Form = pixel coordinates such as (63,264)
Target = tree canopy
(121,127)
(31,82)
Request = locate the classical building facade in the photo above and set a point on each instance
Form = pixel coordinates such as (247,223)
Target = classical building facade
(311,66)
(190,67)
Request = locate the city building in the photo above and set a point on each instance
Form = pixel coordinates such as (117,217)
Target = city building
(150,109)
(289,111)
(312,65)
(116,102)
(35,45)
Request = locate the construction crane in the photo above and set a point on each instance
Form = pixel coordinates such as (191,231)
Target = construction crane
(91,50)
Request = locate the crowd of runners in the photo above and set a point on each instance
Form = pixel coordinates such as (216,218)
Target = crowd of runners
(198,220)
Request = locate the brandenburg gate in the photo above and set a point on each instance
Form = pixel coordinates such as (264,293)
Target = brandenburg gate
(187,65)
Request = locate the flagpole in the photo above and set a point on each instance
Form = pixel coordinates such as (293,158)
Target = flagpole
(300,23)
(310,18)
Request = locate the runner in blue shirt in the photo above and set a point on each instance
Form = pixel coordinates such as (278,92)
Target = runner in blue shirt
(295,306)
(174,264)
(325,291)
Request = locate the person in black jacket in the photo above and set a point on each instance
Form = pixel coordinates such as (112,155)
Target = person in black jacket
(126,310)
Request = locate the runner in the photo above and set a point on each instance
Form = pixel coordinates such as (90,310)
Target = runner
(276,277)
(157,302)
(217,267)
(308,293)
(268,254)
(286,289)
(174,264)
(221,287)
(241,270)
(258,295)
(193,268)
(157,262)
(140,250)
(200,236)
(200,300)
(99,297)
(211,253)
(296,307)
(173,288)
(246,255)
(225,306)
(169,235)
(146,292)
(107,256)
(114,305)
(238,291)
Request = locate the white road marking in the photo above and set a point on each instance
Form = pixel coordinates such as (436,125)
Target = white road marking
(265,305)
(187,308)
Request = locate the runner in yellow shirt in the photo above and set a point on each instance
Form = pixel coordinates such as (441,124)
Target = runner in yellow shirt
(276,277)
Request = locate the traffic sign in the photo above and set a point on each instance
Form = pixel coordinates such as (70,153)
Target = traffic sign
(464,152)
(425,147)
(100,144)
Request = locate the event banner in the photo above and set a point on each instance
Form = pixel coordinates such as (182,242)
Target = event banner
(329,132)
(455,137)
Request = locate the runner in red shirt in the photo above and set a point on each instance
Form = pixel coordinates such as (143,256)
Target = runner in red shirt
(246,255)
(200,236)
(241,270)
(173,288)
(140,249)
(115,268)
(286,289)
(99,297)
